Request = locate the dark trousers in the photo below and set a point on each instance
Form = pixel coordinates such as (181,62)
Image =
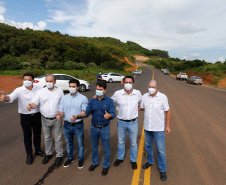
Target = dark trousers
(31,123)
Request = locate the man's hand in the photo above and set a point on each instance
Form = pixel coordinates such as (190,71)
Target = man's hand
(58,117)
(73,118)
(83,114)
(167,131)
(95,96)
(29,107)
(2,97)
(107,116)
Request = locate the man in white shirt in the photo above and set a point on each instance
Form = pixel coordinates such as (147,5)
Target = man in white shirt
(49,100)
(156,107)
(30,121)
(127,100)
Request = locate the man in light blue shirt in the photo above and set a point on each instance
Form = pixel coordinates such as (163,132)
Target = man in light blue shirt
(71,105)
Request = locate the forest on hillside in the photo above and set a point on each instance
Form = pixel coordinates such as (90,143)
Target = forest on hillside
(28,49)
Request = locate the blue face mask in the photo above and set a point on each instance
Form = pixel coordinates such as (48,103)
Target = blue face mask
(99,93)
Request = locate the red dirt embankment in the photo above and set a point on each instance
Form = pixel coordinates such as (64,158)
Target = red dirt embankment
(9,83)
(126,60)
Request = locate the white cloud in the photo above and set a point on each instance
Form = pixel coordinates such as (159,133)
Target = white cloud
(221,59)
(169,25)
(216,53)
(40,25)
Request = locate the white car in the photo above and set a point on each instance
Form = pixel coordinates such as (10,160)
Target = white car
(112,77)
(62,82)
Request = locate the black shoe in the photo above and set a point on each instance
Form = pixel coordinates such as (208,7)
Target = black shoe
(105,171)
(29,160)
(80,164)
(92,167)
(40,153)
(163,176)
(146,165)
(117,162)
(46,159)
(58,161)
(68,162)
(134,165)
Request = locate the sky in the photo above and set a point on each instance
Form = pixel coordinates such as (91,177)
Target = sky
(187,29)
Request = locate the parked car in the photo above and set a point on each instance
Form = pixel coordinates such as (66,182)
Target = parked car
(182,76)
(194,80)
(62,82)
(137,72)
(166,72)
(112,77)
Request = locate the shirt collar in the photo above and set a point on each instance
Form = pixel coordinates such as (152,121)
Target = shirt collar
(123,92)
(75,95)
(102,98)
(25,89)
(157,94)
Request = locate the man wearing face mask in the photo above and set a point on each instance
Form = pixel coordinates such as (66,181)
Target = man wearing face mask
(99,77)
(103,110)
(71,105)
(49,100)
(30,121)
(127,100)
(156,107)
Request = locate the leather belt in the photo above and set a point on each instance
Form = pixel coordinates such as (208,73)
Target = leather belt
(75,123)
(100,126)
(49,118)
(128,120)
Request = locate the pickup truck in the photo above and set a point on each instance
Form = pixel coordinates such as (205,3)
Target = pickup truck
(182,76)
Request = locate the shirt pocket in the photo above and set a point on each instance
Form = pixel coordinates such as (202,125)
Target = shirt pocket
(158,104)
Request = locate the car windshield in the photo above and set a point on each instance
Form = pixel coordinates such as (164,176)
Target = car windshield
(183,74)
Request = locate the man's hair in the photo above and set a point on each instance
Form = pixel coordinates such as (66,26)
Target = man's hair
(54,78)
(75,81)
(99,71)
(29,74)
(128,77)
(102,83)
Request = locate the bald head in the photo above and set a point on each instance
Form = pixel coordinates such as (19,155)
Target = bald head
(153,84)
(50,78)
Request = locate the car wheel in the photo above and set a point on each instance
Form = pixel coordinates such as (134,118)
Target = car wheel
(82,88)
(200,84)
(110,80)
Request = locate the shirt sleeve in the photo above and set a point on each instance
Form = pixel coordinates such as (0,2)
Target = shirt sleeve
(142,102)
(111,109)
(140,97)
(36,99)
(84,103)
(114,97)
(88,110)
(62,105)
(165,104)
(14,95)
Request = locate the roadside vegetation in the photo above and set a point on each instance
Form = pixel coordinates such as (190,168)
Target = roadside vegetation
(200,68)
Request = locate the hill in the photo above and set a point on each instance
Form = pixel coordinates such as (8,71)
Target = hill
(28,49)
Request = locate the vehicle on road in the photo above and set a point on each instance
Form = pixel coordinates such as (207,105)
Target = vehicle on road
(166,72)
(62,82)
(182,76)
(194,80)
(137,72)
(112,77)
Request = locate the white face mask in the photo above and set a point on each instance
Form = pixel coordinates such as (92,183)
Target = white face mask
(49,85)
(152,90)
(72,90)
(128,87)
(27,83)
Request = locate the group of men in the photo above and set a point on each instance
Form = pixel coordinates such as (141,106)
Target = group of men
(46,107)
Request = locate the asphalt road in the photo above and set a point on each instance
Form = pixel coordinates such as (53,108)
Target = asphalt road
(195,149)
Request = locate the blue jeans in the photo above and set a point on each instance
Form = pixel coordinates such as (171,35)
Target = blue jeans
(69,133)
(159,138)
(104,135)
(132,128)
